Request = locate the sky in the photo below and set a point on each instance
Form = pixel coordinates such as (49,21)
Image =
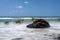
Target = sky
(29,7)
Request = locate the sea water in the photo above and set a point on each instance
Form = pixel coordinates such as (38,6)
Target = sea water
(13,31)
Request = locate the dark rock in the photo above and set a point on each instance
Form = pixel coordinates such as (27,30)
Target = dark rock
(58,34)
(45,34)
(39,23)
(58,38)
(53,34)
(50,35)
(6,22)
(17,39)
(55,38)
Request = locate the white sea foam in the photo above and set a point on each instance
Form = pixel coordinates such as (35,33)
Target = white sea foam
(13,30)
(29,18)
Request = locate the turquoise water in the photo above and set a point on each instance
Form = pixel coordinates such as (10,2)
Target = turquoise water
(7,17)
(29,16)
(14,18)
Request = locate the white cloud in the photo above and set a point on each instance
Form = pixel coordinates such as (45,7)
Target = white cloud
(20,7)
(26,2)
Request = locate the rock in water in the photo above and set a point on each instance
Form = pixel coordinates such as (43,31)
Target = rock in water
(17,39)
(39,23)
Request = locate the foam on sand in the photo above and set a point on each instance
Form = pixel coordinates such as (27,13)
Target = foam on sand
(14,31)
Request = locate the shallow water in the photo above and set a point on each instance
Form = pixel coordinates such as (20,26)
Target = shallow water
(14,31)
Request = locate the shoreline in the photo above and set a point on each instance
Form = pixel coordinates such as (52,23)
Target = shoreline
(14,31)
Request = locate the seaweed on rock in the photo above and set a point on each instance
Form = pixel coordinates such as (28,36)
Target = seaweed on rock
(6,22)
(19,21)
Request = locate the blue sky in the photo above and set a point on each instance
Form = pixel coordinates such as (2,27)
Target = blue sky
(29,7)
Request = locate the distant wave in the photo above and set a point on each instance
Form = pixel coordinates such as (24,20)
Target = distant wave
(29,18)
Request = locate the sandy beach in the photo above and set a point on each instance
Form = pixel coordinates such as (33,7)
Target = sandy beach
(14,31)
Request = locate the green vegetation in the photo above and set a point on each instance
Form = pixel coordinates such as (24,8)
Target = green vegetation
(33,19)
(19,21)
(6,22)
(58,19)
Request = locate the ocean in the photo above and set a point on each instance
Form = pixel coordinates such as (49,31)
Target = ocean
(10,30)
